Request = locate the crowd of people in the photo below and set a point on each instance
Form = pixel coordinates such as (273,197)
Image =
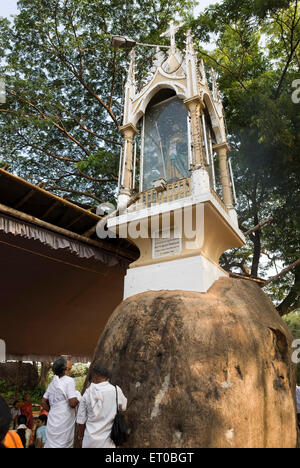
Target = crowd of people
(16,428)
(62,407)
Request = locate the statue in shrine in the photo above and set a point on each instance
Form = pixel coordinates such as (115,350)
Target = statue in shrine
(166,142)
(176,163)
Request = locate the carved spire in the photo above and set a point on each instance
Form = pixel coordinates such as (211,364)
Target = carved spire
(191,67)
(215,87)
(131,71)
(171,32)
(159,58)
(130,88)
(202,70)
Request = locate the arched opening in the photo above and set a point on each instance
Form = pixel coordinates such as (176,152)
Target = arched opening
(165,139)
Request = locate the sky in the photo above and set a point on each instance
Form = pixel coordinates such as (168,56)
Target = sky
(9,7)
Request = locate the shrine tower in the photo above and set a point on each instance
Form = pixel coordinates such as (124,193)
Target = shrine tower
(174,163)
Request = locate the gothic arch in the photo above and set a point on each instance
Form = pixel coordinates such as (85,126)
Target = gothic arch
(179,89)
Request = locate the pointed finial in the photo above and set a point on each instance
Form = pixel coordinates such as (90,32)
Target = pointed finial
(189,36)
(131,71)
(203,72)
(171,32)
(215,87)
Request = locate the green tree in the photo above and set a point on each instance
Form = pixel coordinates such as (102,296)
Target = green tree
(64,84)
(256,57)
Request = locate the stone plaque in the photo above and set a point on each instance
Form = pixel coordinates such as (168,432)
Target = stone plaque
(166,247)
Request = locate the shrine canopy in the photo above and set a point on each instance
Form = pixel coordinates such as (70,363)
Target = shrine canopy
(59,283)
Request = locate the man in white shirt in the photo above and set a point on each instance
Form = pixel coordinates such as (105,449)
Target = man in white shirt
(97,410)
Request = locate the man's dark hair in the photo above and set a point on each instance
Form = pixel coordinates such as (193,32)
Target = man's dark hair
(43,418)
(100,371)
(22,420)
(59,366)
(5,418)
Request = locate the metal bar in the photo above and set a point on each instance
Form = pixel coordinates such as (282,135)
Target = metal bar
(161,151)
(164,102)
(124,163)
(232,181)
(153,45)
(205,139)
(142,156)
(134,168)
(190,149)
(212,162)
(120,169)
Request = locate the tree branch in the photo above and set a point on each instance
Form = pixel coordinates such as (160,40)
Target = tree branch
(76,192)
(258,226)
(225,68)
(282,273)
(47,118)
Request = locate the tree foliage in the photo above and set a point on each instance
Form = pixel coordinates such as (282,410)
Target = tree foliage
(256,56)
(65,85)
(60,124)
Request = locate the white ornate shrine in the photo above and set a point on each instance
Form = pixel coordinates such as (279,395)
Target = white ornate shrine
(174,131)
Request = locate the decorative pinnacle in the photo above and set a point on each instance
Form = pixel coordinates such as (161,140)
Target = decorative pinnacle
(171,32)
(131,72)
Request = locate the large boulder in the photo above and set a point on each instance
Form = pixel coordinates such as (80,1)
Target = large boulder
(203,370)
(21,375)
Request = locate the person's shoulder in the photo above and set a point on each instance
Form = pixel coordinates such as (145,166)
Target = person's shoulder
(68,379)
(112,386)
(12,440)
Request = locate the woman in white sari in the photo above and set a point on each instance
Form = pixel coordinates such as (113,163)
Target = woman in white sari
(61,400)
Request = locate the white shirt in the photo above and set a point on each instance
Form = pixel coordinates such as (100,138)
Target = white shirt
(298,399)
(15,413)
(97,410)
(54,394)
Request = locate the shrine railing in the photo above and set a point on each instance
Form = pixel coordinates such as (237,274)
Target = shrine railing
(218,199)
(174,191)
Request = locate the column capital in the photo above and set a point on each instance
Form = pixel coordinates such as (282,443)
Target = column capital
(221,146)
(129,130)
(195,100)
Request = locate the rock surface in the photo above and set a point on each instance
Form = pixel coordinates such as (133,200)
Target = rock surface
(24,375)
(207,370)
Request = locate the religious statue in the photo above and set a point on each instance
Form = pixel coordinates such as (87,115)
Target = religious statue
(176,155)
(166,147)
